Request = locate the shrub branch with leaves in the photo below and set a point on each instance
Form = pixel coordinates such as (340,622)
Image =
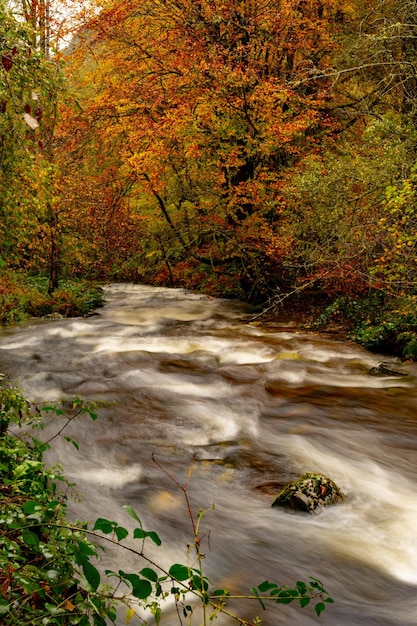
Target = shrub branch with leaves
(47,576)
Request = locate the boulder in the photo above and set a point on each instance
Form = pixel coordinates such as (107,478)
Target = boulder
(54,316)
(308,493)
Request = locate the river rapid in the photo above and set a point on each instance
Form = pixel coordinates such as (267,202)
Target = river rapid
(256,405)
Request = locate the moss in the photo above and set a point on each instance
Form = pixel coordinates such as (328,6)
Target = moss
(308,493)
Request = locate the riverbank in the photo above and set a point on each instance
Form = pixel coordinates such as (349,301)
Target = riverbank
(22,297)
(378,322)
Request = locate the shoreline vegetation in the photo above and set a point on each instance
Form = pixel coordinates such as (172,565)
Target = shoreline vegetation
(23,297)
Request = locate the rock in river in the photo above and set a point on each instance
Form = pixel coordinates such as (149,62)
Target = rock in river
(383,370)
(309,492)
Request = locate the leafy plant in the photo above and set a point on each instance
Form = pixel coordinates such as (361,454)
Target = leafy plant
(44,566)
(47,569)
(22,297)
(392,328)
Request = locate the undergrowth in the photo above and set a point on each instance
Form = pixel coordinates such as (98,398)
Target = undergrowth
(22,297)
(380,324)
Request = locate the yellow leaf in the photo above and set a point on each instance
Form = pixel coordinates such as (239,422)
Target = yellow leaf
(289,356)
(129,615)
(69,605)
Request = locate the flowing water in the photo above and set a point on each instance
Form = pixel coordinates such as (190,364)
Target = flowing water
(256,405)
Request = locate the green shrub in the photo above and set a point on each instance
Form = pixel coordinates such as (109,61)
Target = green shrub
(44,566)
(22,297)
(392,329)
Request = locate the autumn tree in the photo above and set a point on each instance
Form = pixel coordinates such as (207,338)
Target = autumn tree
(101,238)
(342,215)
(209,106)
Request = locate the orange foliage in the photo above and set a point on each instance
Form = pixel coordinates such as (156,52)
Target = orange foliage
(201,107)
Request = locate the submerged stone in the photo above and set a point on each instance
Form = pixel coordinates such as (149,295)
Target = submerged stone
(383,370)
(309,492)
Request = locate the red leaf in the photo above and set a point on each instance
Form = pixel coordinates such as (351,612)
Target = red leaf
(6,62)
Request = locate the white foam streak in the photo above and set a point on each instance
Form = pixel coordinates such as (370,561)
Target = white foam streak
(378,523)
(109,477)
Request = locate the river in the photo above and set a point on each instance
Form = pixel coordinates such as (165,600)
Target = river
(256,405)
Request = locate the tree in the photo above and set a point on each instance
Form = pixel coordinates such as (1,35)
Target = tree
(383,56)
(29,82)
(209,106)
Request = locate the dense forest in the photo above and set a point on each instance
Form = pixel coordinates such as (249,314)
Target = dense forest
(253,149)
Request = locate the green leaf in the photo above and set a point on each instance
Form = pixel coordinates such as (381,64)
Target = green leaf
(132,513)
(319,608)
(302,587)
(199,583)
(30,538)
(285,597)
(179,572)
(85,549)
(74,443)
(316,584)
(255,593)
(30,506)
(91,573)
(121,533)
(149,573)
(139,533)
(221,592)
(141,588)
(304,602)
(52,409)
(104,525)
(154,537)
(266,586)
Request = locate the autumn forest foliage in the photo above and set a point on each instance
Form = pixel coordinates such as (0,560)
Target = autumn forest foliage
(258,149)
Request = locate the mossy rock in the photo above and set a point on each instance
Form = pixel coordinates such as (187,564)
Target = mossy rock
(383,370)
(308,493)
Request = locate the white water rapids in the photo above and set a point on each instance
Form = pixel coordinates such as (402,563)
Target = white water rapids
(257,405)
